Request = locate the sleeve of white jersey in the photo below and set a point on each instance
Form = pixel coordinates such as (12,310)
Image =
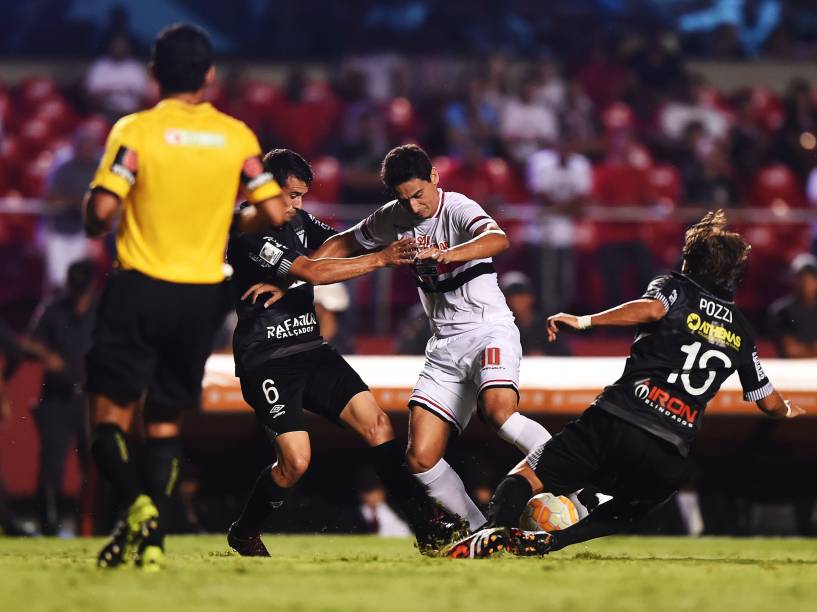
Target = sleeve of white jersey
(377,230)
(467,216)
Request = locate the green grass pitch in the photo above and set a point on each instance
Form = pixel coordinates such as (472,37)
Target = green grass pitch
(309,573)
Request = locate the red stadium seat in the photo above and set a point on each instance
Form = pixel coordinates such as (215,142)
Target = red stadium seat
(664,191)
(256,104)
(11,159)
(776,187)
(35,136)
(327,183)
(774,245)
(34,178)
(767,108)
(58,114)
(36,90)
(664,185)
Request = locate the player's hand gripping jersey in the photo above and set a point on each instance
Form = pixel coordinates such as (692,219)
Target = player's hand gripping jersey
(289,326)
(677,364)
(458,297)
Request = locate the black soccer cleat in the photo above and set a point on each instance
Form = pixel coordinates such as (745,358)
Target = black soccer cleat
(439,534)
(246,547)
(529,543)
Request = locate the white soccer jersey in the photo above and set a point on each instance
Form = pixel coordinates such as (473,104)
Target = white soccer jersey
(456,297)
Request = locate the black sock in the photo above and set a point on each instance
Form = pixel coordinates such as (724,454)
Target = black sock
(265,498)
(162,463)
(509,501)
(607,519)
(115,461)
(388,460)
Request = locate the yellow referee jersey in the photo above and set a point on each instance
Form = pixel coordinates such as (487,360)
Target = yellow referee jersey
(177,168)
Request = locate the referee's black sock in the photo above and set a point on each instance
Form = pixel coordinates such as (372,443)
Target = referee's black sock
(509,501)
(115,461)
(162,462)
(388,460)
(266,497)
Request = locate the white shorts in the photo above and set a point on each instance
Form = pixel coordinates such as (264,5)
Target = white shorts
(459,368)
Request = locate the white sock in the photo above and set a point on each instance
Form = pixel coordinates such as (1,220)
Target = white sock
(445,486)
(525,434)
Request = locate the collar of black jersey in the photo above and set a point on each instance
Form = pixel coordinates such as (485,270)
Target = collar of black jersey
(722,293)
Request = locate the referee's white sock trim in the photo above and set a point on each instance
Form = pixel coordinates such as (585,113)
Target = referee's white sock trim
(445,486)
(525,434)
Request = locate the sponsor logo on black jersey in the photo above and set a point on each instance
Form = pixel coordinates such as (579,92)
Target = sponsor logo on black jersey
(712,332)
(664,402)
(296,326)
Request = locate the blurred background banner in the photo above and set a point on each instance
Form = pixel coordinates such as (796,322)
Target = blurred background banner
(594,131)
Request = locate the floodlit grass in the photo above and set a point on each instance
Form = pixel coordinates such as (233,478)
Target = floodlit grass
(367,573)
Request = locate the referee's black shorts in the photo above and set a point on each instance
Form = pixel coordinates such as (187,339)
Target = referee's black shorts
(620,459)
(319,380)
(154,336)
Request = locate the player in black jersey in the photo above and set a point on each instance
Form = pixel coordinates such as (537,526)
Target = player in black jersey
(633,442)
(285,366)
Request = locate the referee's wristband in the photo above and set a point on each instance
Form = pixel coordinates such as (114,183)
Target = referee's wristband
(583,322)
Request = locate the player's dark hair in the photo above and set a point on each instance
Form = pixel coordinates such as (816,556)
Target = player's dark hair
(283,163)
(181,56)
(403,164)
(715,256)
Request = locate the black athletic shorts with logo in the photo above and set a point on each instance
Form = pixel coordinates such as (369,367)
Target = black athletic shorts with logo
(154,336)
(620,459)
(318,380)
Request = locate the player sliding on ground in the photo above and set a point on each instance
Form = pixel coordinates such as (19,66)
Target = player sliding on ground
(633,442)
(285,366)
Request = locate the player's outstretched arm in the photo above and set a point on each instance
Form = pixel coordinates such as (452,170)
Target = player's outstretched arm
(489,241)
(334,269)
(99,210)
(636,312)
(339,245)
(775,406)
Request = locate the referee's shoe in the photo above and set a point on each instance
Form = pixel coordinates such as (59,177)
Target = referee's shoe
(132,538)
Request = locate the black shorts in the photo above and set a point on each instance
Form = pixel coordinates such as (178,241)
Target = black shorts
(318,380)
(154,336)
(619,458)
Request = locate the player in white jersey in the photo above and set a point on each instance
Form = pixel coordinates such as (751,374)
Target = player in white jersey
(472,360)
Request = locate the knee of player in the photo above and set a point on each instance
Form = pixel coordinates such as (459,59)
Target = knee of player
(379,430)
(420,460)
(293,467)
(496,409)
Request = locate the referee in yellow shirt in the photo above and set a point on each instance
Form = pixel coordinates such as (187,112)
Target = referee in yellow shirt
(174,172)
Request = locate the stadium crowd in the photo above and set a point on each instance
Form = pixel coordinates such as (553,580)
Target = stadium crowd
(590,161)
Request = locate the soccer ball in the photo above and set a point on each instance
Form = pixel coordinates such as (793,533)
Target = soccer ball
(548,512)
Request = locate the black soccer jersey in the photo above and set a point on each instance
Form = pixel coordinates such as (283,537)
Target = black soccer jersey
(677,364)
(290,325)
